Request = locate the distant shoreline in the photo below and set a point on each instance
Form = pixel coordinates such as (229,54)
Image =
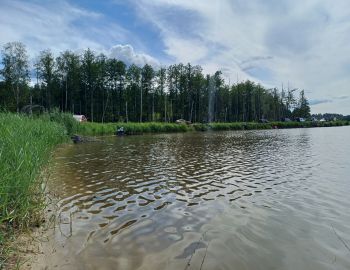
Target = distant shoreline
(96,129)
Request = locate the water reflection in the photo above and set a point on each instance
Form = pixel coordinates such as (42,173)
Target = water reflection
(205,200)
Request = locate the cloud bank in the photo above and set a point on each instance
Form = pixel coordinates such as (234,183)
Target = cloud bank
(304,44)
(60,25)
(272,42)
(127,54)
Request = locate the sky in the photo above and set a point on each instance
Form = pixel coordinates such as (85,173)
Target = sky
(290,43)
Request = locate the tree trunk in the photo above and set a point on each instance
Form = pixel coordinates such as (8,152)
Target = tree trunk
(191,112)
(66,96)
(141,105)
(165,108)
(92,105)
(153,108)
(85,101)
(17,98)
(31,103)
(126,111)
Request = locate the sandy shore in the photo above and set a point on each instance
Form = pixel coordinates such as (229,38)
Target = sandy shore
(37,249)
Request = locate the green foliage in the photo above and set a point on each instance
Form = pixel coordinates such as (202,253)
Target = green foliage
(25,146)
(270,125)
(307,124)
(130,128)
(200,127)
(46,72)
(65,119)
(15,69)
(157,127)
(303,108)
(107,90)
(227,126)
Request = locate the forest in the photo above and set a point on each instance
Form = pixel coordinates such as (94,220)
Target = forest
(108,90)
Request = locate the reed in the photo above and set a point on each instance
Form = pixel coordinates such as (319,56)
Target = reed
(270,125)
(309,124)
(130,128)
(25,146)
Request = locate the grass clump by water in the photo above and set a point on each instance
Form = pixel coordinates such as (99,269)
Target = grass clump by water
(95,129)
(270,125)
(130,128)
(64,119)
(25,146)
(309,124)
(238,126)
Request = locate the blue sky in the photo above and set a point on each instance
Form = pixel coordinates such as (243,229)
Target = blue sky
(303,44)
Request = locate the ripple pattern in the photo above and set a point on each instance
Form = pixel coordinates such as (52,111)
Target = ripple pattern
(170,187)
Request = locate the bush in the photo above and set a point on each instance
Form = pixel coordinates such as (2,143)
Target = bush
(130,128)
(25,144)
(65,119)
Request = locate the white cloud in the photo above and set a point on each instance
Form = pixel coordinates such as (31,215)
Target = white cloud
(127,54)
(59,26)
(185,50)
(45,25)
(304,43)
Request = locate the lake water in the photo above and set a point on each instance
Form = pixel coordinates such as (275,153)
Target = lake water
(274,199)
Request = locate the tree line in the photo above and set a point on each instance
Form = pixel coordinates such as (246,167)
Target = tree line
(330,116)
(107,90)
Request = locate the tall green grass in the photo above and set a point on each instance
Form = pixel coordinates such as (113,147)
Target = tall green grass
(25,146)
(65,119)
(308,124)
(130,128)
(270,125)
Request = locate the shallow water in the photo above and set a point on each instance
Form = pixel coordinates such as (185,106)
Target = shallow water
(275,199)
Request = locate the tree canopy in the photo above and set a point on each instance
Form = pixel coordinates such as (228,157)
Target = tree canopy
(107,89)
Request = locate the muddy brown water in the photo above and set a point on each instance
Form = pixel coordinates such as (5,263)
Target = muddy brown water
(275,199)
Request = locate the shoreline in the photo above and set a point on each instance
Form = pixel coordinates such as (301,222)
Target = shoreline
(57,257)
(32,247)
(27,145)
(35,247)
(131,128)
(55,131)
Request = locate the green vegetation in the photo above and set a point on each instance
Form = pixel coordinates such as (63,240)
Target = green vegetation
(96,129)
(107,90)
(130,128)
(309,124)
(270,125)
(140,99)
(25,146)
(64,119)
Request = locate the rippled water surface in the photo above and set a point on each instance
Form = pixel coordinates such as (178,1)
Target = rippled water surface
(276,199)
